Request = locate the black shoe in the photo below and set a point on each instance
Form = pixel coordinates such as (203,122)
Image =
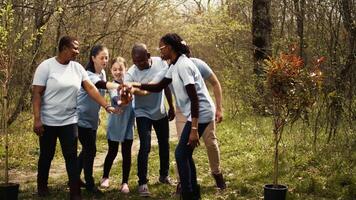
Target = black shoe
(94,190)
(178,190)
(220,182)
(196,193)
(187,196)
(42,191)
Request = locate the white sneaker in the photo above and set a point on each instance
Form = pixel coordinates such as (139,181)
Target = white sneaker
(143,190)
(104,183)
(125,188)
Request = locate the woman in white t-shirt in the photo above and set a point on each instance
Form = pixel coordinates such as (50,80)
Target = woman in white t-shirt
(193,100)
(56,83)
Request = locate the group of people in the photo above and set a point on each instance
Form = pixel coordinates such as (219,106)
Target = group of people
(67,98)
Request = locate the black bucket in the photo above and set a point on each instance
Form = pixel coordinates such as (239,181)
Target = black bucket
(9,191)
(272,192)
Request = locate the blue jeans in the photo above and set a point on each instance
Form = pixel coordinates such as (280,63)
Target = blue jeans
(184,158)
(144,127)
(87,138)
(68,137)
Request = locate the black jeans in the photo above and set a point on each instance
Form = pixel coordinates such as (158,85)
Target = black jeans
(87,138)
(144,127)
(184,158)
(68,138)
(126,158)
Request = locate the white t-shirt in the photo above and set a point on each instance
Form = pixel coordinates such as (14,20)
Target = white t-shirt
(183,73)
(62,82)
(152,105)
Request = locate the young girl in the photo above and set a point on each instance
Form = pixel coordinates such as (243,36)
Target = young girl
(119,130)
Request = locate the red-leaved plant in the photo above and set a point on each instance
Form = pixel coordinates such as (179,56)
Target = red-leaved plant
(290,89)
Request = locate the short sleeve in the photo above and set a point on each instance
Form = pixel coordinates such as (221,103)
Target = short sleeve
(94,78)
(169,73)
(128,77)
(41,75)
(204,69)
(83,73)
(160,75)
(186,74)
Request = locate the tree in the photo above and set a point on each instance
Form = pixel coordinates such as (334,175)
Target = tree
(261,33)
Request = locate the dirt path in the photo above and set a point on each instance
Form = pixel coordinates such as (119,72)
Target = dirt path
(58,168)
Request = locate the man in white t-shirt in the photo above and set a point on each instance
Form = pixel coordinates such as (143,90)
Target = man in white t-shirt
(150,111)
(56,83)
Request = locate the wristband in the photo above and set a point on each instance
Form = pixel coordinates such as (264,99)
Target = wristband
(194,128)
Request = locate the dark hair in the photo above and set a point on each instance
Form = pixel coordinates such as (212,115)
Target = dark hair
(66,41)
(177,43)
(95,50)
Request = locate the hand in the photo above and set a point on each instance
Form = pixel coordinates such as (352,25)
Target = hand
(110,109)
(118,110)
(218,116)
(171,114)
(38,127)
(193,139)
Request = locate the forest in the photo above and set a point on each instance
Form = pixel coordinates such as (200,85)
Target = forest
(286,68)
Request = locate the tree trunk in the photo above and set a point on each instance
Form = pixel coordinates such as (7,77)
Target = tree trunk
(40,20)
(261,33)
(299,6)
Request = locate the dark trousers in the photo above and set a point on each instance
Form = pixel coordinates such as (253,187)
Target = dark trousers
(87,138)
(184,158)
(126,158)
(144,127)
(68,138)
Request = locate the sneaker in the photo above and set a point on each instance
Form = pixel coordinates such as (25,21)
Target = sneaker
(165,180)
(125,188)
(220,182)
(104,183)
(143,190)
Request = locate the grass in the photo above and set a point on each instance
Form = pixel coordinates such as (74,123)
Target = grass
(325,173)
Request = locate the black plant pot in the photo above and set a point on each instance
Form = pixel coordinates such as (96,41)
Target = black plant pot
(272,192)
(9,191)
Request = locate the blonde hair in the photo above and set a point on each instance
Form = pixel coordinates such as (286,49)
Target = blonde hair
(119,60)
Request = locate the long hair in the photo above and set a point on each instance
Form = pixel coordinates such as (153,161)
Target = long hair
(177,43)
(95,50)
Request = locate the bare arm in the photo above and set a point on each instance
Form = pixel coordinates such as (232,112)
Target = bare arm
(94,94)
(194,100)
(137,91)
(171,110)
(37,92)
(213,80)
(157,87)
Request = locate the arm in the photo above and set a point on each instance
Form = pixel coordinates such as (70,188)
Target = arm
(94,94)
(213,80)
(157,87)
(192,94)
(137,91)
(37,93)
(106,85)
(171,111)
